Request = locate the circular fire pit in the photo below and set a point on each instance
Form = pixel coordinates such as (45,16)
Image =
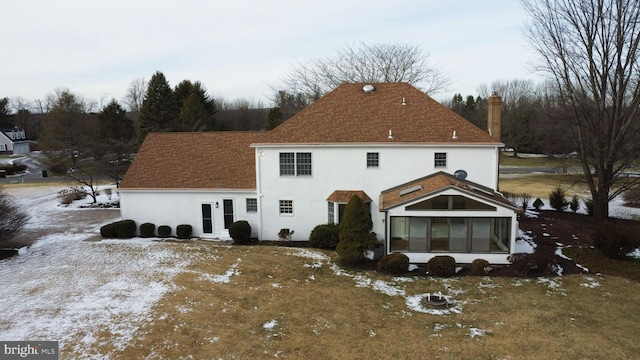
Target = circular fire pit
(435,301)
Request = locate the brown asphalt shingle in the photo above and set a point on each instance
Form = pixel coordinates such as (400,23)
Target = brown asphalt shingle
(436,183)
(349,115)
(202,160)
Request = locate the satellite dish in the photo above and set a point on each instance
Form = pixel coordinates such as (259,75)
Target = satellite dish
(368,88)
(460,174)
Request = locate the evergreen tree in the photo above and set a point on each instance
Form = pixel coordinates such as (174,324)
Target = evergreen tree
(116,140)
(196,106)
(5,120)
(192,115)
(159,111)
(274,118)
(355,236)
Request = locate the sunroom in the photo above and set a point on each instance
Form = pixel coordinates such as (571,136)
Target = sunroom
(442,215)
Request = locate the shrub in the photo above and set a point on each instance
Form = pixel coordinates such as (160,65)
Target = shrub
(164,231)
(480,267)
(355,231)
(285,234)
(543,260)
(526,199)
(395,263)
(147,230)
(123,229)
(574,204)
(441,266)
(537,204)
(108,231)
(615,240)
(184,231)
(69,195)
(522,263)
(13,217)
(240,232)
(588,204)
(557,198)
(325,236)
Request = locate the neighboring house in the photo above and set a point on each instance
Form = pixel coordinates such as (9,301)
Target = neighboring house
(14,142)
(390,144)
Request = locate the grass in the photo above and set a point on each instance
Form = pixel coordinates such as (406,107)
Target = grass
(275,303)
(507,159)
(540,185)
(593,259)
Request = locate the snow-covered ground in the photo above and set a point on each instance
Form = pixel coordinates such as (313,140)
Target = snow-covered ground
(66,289)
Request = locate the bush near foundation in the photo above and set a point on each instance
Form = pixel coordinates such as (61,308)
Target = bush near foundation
(164,231)
(240,232)
(479,267)
(441,266)
(123,229)
(147,230)
(183,231)
(325,236)
(395,263)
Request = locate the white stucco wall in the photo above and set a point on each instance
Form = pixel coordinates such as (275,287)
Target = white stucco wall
(175,207)
(344,168)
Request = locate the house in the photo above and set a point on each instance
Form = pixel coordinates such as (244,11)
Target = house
(429,176)
(14,142)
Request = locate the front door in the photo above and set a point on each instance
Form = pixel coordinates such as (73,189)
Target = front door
(227,207)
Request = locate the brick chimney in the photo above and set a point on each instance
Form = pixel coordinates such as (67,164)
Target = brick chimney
(494,116)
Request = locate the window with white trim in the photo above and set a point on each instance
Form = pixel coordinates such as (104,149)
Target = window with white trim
(331,211)
(286,207)
(252,205)
(295,164)
(373,159)
(440,159)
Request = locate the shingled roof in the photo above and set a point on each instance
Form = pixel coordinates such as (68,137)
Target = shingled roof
(435,183)
(202,160)
(349,114)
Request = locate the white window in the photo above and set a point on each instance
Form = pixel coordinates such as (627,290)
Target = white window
(287,164)
(440,160)
(331,210)
(296,164)
(303,164)
(373,159)
(286,207)
(252,205)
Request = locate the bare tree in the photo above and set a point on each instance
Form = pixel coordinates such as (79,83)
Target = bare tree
(241,114)
(13,218)
(590,49)
(518,111)
(135,94)
(133,99)
(367,63)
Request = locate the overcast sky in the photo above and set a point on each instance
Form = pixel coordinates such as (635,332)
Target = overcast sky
(238,48)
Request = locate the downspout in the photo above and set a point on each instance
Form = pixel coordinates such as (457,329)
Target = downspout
(259,192)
